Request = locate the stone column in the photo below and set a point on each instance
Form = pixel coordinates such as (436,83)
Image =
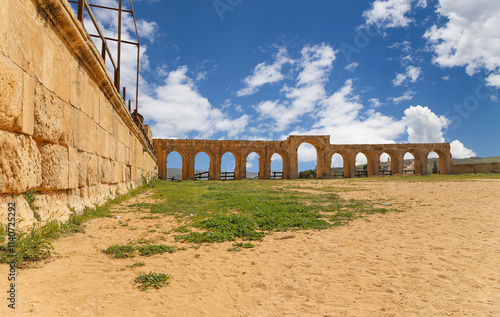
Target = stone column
(322,164)
(238,167)
(293,165)
(162,162)
(188,167)
(214,171)
(263,166)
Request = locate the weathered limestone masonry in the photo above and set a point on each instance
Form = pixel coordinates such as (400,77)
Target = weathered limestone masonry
(188,149)
(475,168)
(64,129)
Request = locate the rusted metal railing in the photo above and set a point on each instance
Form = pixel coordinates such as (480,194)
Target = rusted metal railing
(84,6)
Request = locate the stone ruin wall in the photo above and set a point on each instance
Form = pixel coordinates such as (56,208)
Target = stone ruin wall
(287,149)
(64,129)
(475,168)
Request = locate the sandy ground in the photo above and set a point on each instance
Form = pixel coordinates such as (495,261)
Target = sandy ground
(441,257)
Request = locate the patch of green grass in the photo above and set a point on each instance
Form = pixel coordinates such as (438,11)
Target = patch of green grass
(182,229)
(151,249)
(226,211)
(120,251)
(152,280)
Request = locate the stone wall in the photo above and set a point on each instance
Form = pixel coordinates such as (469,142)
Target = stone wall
(64,129)
(475,168)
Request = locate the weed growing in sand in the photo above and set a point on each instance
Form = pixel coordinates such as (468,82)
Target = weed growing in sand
(127,251)
(120,251)
(137,264)
(152,280)
(151,249)
(239,245)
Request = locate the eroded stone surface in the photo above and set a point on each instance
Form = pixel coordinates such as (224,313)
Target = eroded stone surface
(24,215)
(54,167)
(20,163)
(11,92)
(48,115)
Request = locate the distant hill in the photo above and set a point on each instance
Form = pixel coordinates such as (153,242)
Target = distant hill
(493,159)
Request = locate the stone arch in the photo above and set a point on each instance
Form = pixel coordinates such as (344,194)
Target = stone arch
(183,159)
(417,161)
(260,160)
(370,162)
(269,171)
(394,166)
(305,146)
(442,165)
(211,169)
(345,163)
(228,167)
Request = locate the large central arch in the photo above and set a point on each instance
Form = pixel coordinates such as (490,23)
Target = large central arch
(287,149)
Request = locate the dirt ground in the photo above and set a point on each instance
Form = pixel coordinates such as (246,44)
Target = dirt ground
(440,257)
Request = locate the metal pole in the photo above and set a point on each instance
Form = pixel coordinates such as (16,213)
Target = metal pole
(103,51)
(81,7)
(118,68)
(137,81)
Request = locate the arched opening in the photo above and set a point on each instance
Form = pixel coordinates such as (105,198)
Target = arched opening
(227,165)
(202,166)
(411,165)
(252,166)
(387,164)
(433,163)
(361,166)
(174,166)
(276,166)
(337,166)
(307,161)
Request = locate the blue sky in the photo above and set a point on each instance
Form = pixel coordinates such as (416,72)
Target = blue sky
(379,71)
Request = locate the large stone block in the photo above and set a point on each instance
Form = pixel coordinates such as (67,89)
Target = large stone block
(20,163)
(73,171)
(55,167)
(4,27)
(53,206)
(24,38)
(47,76)
(82,168)
(28,121)
(87,97)
(67,135)
(62,84)
(11,96)
(76,204)
(75,85)
(24,215)
(48,115)
(105,170)
(100,141)
(92,169)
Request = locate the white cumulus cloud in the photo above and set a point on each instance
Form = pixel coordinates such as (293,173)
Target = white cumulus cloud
(469,38)
(424,126)
(176,109)
(265,74)
(458,150)
(389,13)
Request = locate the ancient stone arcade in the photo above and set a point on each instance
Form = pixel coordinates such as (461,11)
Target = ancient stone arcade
(188,149)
